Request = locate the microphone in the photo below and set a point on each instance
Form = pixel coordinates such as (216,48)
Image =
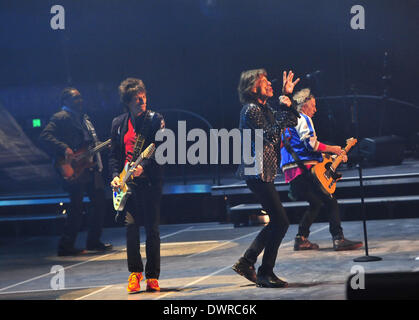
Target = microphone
(313,74)
(293,107)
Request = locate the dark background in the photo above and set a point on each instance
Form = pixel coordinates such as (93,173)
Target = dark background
(190,54)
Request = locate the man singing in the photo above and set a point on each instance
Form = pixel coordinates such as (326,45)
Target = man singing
(303,141)
(254,90)
(138,126)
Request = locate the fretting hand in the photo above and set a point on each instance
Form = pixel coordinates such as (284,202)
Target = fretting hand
(138,171)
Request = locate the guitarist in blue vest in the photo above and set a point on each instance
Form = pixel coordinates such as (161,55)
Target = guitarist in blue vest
(67,131)
(131,133)
(303,145)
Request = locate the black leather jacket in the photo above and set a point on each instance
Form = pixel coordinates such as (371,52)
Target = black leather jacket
(64,130)
(255,116)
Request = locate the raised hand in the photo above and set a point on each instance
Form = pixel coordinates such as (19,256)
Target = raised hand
(287,83)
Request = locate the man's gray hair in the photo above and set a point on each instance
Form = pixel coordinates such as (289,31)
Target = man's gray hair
(301,97)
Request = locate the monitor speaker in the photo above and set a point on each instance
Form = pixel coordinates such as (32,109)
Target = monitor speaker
(386,150)
(383,286)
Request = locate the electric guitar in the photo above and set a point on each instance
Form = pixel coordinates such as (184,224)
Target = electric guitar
(325,172)
(121,195)
(73,167)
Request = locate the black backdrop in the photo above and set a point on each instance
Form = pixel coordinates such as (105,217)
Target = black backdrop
(190,54)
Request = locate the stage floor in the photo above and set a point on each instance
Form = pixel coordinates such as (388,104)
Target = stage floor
(197,260)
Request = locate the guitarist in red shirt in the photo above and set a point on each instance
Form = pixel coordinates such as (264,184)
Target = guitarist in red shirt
(132,132)
(68,131)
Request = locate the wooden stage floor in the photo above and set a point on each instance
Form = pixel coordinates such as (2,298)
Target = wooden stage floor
(197,260)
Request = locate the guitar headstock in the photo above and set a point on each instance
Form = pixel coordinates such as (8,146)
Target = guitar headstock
(148,152)
(351,142)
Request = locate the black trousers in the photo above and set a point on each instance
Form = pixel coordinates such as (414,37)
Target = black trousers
(91,184)
(305,188)
(144,203)
(270,237)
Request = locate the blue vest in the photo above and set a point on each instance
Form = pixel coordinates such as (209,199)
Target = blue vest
(299,138)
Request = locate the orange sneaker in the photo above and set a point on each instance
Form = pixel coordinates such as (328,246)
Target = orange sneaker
(134,282)
(153,285)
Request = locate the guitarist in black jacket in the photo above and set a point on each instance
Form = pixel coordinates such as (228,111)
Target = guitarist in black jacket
(136,127)
(67,131)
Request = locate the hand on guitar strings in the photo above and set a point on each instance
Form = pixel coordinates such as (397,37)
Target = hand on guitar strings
(338,151)
(138,171)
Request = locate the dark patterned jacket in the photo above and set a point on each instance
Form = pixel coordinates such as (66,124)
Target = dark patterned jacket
(254,116)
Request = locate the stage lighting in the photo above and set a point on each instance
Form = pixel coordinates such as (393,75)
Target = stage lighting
(36,123)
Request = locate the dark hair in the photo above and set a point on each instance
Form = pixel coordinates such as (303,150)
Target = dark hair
(247,81)
(66,94)
(129,88)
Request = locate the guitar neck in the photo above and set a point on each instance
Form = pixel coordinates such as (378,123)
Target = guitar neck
(339,159)
(336,163)
(146,154)
(99,147)
(130,171)
(94,150)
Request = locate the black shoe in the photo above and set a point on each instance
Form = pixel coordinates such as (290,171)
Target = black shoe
(70,251)
(99,247)
(302,243)
(341,244)
(270,281)
(246,270)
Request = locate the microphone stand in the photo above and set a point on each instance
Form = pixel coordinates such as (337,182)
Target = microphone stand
(367,257)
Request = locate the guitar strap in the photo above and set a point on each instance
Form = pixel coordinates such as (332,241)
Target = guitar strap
(307,174)
(142,135)
(291,151)
(92,132)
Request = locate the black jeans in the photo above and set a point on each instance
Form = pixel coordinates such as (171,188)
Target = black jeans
(92,184)
(305,188)
(144,203)
(271,235)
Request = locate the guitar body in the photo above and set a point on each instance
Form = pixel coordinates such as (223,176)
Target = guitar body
(324,176)
(325,173)
(82,159)
(120,197)
(72,170)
